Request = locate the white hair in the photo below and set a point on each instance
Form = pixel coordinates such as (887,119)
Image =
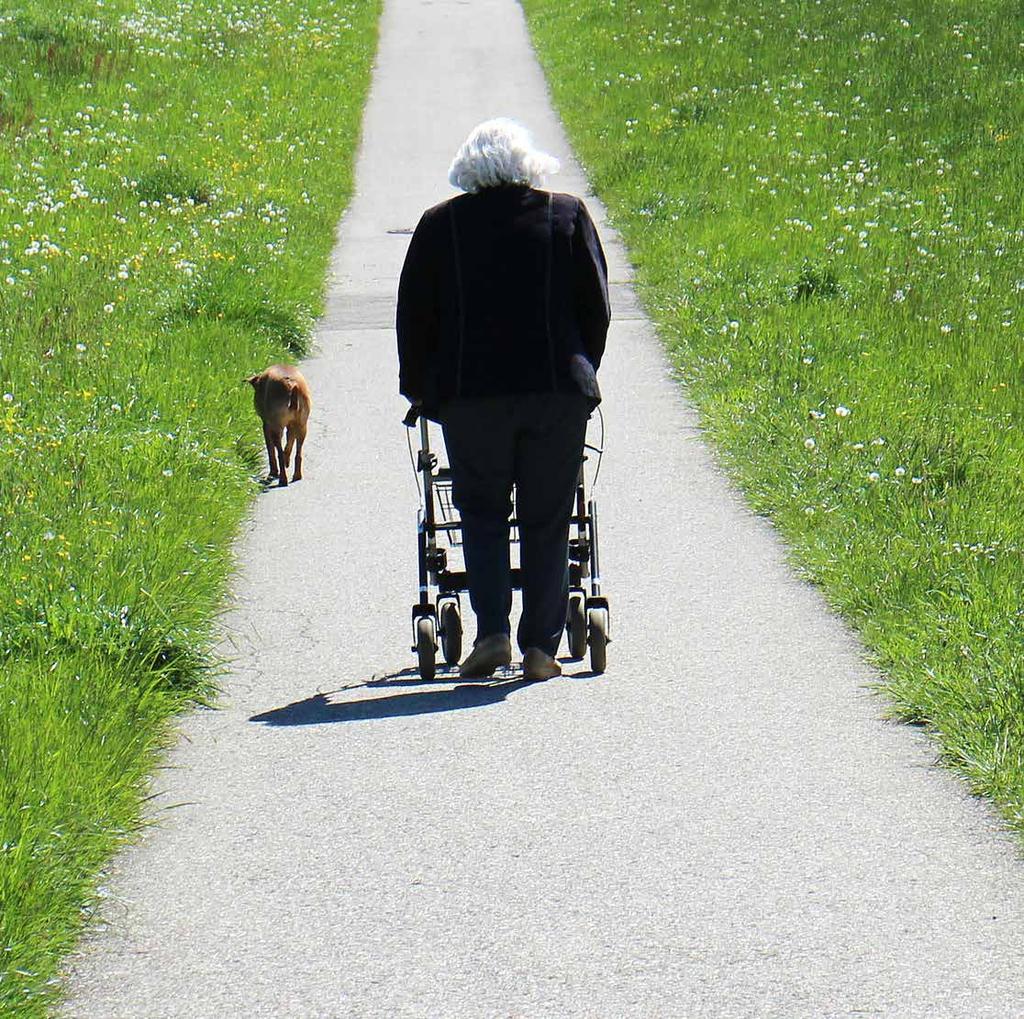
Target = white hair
(497,152)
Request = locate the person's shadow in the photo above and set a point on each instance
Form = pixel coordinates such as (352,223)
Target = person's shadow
(318,709)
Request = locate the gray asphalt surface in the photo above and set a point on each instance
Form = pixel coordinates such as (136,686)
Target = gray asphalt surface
(720,826)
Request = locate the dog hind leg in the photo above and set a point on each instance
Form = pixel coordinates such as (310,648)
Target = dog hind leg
(300,436)
(269,439)
(280,458)
(288,446)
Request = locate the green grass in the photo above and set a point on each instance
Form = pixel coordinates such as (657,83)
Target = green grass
(823,204)
(170,178)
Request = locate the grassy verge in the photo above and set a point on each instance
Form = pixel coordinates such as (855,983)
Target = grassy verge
(823,204)
(170,177)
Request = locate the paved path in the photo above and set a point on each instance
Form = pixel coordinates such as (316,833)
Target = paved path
(721,826)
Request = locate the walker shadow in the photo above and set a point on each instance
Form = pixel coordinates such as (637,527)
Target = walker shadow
(318,710)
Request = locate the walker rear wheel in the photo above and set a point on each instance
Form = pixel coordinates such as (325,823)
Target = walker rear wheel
(451,632)
(426,647)
(576,627)
(597,627)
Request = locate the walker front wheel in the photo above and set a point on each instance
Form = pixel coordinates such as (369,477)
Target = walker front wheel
(426,647)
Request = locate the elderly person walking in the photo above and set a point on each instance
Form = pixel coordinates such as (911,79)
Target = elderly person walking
(502,318)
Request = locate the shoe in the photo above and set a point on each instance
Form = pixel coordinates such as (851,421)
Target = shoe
(539,664)
(488,654)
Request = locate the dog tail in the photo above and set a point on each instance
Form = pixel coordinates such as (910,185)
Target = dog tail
(293,397)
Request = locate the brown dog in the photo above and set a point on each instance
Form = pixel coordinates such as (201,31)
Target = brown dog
(282,401)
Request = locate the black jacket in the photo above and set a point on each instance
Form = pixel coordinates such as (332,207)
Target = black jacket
(500,289)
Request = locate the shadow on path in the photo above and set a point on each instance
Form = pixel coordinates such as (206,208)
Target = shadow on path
(318,709)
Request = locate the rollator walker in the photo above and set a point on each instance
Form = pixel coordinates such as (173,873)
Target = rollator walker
(437,615)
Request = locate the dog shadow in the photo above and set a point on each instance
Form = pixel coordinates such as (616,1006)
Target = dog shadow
(320,709)
(267,484)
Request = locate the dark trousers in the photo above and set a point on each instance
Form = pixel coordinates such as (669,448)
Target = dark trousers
(534,441)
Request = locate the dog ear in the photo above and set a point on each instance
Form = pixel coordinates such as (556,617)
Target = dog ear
(252,380)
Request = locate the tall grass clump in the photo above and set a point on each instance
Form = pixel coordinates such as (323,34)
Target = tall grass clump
(171,172)
(823,205)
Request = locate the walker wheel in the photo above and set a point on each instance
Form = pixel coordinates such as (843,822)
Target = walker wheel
(451,632)
(597,626)
(426,647)
(576,627)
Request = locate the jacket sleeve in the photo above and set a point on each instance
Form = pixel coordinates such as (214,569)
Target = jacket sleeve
(417,319)
(590,281)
